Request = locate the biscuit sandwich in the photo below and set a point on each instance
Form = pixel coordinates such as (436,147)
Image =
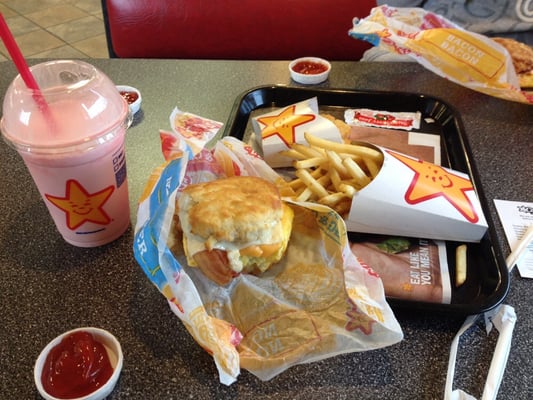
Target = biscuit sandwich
(233,225)
(522,58)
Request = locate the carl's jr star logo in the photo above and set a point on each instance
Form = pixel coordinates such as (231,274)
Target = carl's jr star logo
(431,181)
(284,124)
(80,206)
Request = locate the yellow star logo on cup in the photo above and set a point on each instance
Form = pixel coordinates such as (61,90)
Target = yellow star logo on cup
(284,124)
(80,206)
(431,181)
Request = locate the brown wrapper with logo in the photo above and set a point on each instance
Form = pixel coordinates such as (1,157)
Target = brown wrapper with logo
(410,268)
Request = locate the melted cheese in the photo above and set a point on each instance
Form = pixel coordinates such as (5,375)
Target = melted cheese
(193,244)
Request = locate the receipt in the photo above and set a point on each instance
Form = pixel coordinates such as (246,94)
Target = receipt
(516,218)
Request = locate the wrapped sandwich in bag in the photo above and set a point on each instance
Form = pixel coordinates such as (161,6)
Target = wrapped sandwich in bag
(316,302)
(467,58)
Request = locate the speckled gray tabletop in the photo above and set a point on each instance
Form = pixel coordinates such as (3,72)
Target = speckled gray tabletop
(48,286)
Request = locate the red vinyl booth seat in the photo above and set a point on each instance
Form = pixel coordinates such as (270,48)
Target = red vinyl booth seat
(234,29)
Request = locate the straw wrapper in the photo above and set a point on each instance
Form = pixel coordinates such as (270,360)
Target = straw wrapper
(319,301)
(464,57)
(504,319)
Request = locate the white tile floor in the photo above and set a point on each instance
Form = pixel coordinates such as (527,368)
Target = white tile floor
(55,28)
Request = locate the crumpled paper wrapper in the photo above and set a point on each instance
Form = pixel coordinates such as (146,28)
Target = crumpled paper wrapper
(467,58)
(319,301)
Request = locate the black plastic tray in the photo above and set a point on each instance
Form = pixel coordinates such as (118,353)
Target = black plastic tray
(487,280)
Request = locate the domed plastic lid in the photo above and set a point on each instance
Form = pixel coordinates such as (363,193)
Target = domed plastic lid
(77,108)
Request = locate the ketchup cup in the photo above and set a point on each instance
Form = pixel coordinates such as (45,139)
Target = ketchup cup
(73,365)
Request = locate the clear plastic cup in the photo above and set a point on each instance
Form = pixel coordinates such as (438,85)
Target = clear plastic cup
(71,138)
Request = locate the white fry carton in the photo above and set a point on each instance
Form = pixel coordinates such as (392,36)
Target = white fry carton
(411,197)
(277,130)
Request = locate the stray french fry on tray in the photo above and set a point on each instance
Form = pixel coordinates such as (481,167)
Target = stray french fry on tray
(460,265)
(331,173)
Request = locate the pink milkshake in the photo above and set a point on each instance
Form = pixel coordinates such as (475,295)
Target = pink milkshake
(73,148)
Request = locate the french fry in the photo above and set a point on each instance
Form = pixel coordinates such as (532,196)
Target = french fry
(304,195)
(372,167)
(362,151)
(347,189)
(295,155)
(307,151)
(358,159)
(311,182)
(336,162)
(296,184)
(332,199)
(331,173)
(317,173)
(335,179)
(460,265)
(343,207)
(285,188)
(355,171)
(308,163)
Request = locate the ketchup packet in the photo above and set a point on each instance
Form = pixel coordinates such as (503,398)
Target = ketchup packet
(383,119)
(467,58)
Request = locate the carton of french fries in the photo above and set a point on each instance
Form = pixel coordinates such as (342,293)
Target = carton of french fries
(277,130)
(381,191)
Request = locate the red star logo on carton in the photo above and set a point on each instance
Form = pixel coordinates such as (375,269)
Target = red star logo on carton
(284,124)
(432,181)
(80,206)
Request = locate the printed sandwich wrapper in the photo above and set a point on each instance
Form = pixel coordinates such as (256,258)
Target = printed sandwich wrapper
(277,130)
(264,324)
(466,58)
(411,197)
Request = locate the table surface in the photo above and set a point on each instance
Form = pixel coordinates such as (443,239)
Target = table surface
(48,286)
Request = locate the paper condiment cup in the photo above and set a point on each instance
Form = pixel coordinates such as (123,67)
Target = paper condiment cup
(114,351)
(311,76)
(134,105)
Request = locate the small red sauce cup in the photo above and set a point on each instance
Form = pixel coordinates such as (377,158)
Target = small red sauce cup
(309,70)
(112,348)
(132,96)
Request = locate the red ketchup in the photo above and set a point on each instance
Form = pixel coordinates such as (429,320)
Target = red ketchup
(131,97)
(75,367)
(309,67)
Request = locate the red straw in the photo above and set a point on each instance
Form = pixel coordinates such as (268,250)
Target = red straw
(16,55)
(24,70)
